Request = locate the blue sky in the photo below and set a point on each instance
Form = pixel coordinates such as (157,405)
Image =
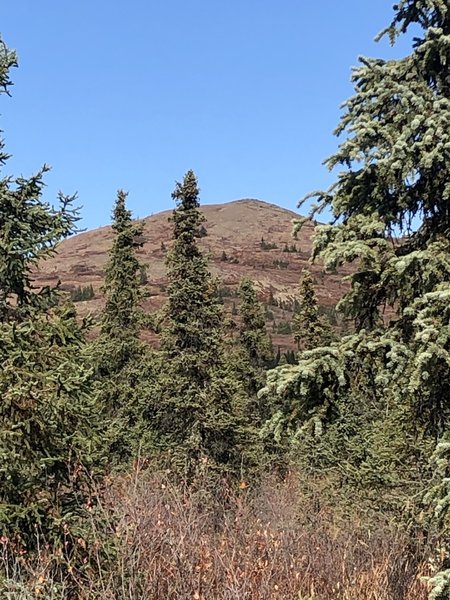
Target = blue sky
(132,94)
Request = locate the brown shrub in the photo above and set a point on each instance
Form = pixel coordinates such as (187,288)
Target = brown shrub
(277,542)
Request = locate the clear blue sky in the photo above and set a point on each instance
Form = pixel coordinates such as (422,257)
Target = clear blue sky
(132,94)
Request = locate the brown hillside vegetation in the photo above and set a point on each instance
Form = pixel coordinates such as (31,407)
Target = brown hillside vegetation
(284,541)
(244,238)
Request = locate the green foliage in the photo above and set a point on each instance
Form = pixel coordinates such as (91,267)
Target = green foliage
(202,231)
(122,360)
(250,358)
(8,60)
(284,327)
(123,282)
(280,264)
(329,312)
(48,440)
(269,314)
(47,437)
(143,275)
(267,245)
(225,292)
(376,401)
(289,357)
(437,503)
(309,327)
(254,342)
(29,228)
(193,409)
(81,294)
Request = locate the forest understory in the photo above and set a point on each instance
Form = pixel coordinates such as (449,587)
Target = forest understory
(289,539)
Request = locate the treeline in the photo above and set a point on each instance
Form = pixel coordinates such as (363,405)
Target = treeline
(77,412)
(361,419)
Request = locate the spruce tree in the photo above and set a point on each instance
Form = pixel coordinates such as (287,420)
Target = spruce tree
(122,360)
(437,516)
(310,329)
(193,412)
(123,288)
(388,383)
(256,352)
(251,356)
(47,411)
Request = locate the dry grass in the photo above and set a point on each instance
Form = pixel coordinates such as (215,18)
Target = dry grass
(176,543)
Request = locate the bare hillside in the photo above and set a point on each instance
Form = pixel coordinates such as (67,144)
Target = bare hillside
(243,238)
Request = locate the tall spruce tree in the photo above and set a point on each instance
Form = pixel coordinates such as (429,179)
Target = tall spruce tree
(310,329)
(254,352)
(251,357)
(193,412)
(122,360)
(47,411)
(123,288)
(388,383)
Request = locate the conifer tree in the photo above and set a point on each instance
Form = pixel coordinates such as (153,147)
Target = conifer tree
(437,511)
(252,355)
(123,289)
(310,329)
(193,413)
(396,180)
(122,359)
(254,342)
(47,411)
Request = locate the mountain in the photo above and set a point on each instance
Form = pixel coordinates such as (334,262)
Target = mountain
(243,238)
